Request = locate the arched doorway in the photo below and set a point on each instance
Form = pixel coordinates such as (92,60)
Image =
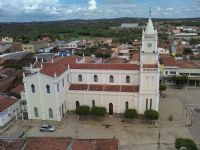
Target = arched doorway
(77,104)
(63,114)
(110,109)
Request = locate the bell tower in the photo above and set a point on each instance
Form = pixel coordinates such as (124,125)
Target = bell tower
(149,50)
(149,69)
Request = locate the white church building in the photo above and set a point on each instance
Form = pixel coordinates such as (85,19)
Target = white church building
(56,87)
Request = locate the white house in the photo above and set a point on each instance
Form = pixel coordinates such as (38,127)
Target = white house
(60,86)
(9,109)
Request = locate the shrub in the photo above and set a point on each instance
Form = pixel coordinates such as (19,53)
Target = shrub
(187,143)
(151,114)
(162,87)
(130,113)
(83,110)
(98,111)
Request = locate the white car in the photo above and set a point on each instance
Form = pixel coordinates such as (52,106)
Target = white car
(47,128)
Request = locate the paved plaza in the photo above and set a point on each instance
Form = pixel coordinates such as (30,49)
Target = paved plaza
(137,134)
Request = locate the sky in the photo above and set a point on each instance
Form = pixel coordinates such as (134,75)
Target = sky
(50,10)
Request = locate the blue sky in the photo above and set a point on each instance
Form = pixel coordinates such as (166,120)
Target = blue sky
(48,10)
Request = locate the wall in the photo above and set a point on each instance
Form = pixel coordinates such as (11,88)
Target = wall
(9,114)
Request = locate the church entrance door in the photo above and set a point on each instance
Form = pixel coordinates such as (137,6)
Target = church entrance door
(110,109)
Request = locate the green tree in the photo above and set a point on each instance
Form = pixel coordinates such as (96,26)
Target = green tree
(162,87)
(98,111)
(83,110)
(187,143)
(187,51)
(130,113)
(180,80)
(151,114)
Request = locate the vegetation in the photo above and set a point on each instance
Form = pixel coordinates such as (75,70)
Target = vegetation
(98,111)
(180,80)
(187,143)
(194,41)
(162,87)
(16,66)
(130,113)
(151,114)
(187,51)
(83,110)
(163,36)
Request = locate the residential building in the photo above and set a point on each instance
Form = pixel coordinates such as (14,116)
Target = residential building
(9,109)
(7,40)
(60,86)
(171,67)
(34,46)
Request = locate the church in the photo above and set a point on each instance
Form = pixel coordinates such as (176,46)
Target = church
(54,88)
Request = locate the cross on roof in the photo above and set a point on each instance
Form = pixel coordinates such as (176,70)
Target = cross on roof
(150,12)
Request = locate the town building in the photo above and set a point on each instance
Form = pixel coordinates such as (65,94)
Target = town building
(171,67)
(61,85)
(7,40)
(9,109)
(34,46)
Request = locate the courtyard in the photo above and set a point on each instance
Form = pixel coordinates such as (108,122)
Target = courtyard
(137,134)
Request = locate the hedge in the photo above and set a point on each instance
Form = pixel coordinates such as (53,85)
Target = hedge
(83,110)
(151,114)
(187,143)
(130,113)
(98,111)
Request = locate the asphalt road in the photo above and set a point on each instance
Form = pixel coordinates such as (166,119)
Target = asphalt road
(190,98)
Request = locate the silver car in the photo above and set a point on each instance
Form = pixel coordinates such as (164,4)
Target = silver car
(47,128)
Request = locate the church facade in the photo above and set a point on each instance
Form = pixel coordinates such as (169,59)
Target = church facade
(60,86)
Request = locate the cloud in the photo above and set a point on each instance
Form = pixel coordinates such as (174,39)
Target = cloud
(92,5)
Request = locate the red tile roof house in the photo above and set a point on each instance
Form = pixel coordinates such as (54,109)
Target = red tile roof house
(48,143)
(9,108)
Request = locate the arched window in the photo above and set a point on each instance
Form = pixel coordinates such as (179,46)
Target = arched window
(95,78)
(47,88)
(33,88)
(36,112)
(77,104)
(63,82)
(80,78)
(93,103)
(58,89)
(146,104)
(50,113)
(111,79)
(128,80)
(150,103)
(126,105)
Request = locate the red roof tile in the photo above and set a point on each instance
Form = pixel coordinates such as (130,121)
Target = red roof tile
(19,88)
(105,66)
(78,87)
(169,61)
(150,66)
(100,144)
(50,69)
(47,143)
(112,88)
(187,65)
(68,60)
(104,87)
(96,87)
(6,103)
(129,88)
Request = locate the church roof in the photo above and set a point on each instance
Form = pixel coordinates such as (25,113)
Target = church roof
(149,27)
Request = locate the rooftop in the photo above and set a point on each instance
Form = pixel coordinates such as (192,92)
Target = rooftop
(51,143)
(104,87)
(6,103)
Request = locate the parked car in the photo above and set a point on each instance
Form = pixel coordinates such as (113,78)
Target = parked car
(47,128)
